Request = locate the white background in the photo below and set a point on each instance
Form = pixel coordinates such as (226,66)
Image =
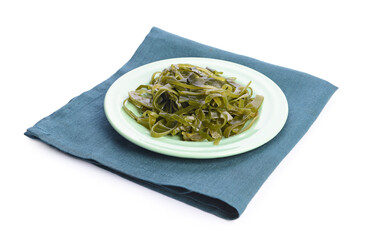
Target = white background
(51,51)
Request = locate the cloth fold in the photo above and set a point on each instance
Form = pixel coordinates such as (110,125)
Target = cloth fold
(223,186)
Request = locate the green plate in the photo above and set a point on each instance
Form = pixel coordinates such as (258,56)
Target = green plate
(273,112)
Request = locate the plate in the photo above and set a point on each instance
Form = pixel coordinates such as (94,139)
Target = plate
(273,111)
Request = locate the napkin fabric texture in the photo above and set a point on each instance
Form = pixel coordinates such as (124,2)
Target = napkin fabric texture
(221,186)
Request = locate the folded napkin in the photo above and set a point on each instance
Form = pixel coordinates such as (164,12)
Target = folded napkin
(221,186)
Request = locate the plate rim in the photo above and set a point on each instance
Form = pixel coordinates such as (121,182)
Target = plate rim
(174,150)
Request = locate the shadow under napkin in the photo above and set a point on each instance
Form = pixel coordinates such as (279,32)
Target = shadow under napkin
(222,186)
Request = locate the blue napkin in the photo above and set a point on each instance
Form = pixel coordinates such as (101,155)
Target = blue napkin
(222,186)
